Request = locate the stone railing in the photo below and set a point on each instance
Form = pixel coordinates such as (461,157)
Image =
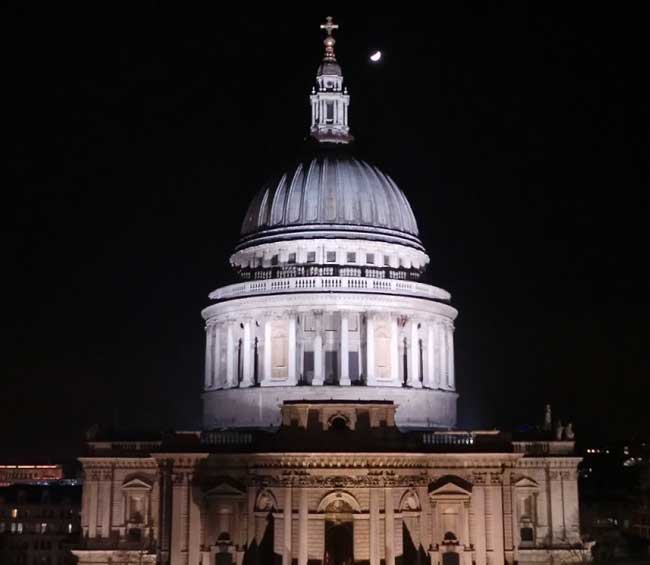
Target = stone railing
(543,448)
(330,284)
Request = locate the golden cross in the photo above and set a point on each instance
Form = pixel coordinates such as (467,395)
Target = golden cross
(329,26)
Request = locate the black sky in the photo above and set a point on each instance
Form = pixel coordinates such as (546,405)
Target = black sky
(137,134)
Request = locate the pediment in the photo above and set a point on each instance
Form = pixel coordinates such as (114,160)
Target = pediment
(450,485)
(526,482)
(136,484)
(225,487)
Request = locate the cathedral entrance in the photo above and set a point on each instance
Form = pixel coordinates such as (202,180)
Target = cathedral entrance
(338,543)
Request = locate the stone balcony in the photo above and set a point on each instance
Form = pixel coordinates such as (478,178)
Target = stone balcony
(331,284)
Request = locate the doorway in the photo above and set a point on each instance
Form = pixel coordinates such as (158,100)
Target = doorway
(338,543)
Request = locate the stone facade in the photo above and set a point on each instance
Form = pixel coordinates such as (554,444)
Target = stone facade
(412,497)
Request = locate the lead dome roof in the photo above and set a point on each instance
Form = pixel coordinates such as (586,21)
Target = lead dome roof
(330,190)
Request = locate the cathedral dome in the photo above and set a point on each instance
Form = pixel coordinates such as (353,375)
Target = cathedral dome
(331,191)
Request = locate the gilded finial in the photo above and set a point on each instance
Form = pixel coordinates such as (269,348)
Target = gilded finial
(329,41)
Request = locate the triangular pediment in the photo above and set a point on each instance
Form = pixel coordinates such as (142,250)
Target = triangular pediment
(225,487)
(136,484)
(526,482)
(450,489)
(450,485)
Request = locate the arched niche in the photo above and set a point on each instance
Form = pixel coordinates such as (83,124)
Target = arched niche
(339,502)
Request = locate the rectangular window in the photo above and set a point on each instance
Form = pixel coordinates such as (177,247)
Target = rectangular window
(292,258)
(69,527)
(351,257)
(311,257)
(43,528)
(19,528)
(331,256)
(386,261)
(14,513)
(370,258)
(274,260)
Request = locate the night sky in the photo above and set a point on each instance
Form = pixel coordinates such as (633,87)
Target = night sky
(137,134)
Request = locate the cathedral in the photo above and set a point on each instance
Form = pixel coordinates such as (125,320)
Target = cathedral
(329,406)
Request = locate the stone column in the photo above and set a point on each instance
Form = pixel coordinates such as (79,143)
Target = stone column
(374,526)
(426,527)
(194,542)
(558,522)
(543,532)
(370,349)
(92,503)
(478,508)
(180,520)
(209,356)
(266,372)
(318,353)
(465,518)
(344,378)
(414,357)
(431,357)
(106,501)
(444,358)
(303,527)
(571,506)
(291,362)
(394,352)
(450,353)
(496,518)
(230,356)
(247,356)
(250,516)
(389,526)
(288,519)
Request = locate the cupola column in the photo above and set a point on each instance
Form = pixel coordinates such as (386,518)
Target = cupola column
(266,378)
(431,357)
(247,354)
(414,356)
(442,341)
(370,349)
(451,378)
(394,351)
(318,379)
(230,356)
(291,362)
(344,378)
(209,356)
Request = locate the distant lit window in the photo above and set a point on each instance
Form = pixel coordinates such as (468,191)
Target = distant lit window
(311,257)
(14,513)
(13,527)
(292,258)
(19,528)
(70,527)
(370,258)
(331,256)
(44,527)
(351,257)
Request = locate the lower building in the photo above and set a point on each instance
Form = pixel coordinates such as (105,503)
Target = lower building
(337,483)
